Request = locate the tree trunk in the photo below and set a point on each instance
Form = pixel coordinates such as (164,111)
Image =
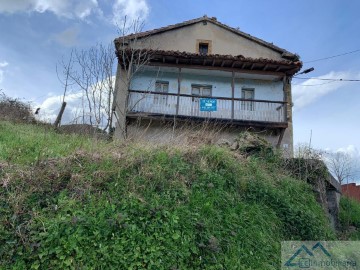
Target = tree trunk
(58,118)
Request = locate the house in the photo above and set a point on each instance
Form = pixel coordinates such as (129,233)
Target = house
(351,191)
(200,73)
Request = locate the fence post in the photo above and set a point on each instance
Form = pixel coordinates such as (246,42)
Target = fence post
(58,118)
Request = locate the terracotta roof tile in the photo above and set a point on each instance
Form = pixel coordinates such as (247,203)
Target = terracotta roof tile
(187,55)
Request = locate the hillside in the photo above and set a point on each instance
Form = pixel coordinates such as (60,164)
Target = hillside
(70,202)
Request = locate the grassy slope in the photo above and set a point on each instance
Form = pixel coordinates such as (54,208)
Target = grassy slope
(71,203)
(350,217)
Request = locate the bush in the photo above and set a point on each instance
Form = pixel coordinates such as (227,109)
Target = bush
(349,212)
(12,109)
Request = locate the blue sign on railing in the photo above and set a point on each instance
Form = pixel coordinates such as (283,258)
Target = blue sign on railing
(208,105)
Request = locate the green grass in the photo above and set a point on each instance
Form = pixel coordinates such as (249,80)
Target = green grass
(350,216)
(141,207)
(26,144)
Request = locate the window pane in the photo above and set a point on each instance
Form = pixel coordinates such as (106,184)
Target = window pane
(165,88)
(203,48)
(248,94)
(195,91)
(161,86)
(206,92)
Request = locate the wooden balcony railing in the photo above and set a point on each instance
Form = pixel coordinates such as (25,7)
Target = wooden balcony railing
(156,103)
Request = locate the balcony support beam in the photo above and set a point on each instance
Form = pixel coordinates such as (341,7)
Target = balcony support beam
(178,93)
(232,94)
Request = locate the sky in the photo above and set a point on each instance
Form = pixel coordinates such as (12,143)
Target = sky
(36,34)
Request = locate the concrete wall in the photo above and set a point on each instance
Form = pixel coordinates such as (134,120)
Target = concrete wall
(222,41)
(184,132)
(288,140)
(120,104)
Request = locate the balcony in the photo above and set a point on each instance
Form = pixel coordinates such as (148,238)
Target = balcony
(229,110)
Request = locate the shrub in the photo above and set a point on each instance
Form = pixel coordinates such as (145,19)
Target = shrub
(12,109)
(349,212)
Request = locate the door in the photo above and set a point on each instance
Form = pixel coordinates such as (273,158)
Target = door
(247,94)
(160,101)
(247,107)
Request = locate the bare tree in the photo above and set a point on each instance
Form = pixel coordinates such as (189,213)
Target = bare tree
(92,72)
(341,165)
(65,81)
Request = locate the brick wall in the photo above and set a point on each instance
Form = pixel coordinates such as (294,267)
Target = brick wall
(351,191)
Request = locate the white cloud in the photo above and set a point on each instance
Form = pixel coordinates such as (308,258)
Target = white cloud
(131,9)
(351,150)
(353,153)
(50,107)
(63,8)
(77,109)
(3,65)
(311,90)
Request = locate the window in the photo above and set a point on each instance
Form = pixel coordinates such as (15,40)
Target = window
(201,90)
(247,94)
(203,48)
(161,87)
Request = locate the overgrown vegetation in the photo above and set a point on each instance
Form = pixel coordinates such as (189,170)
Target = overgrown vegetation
(69,202)
(350,218)
(14,109)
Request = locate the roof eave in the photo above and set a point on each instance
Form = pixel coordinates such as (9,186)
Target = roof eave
(239,62)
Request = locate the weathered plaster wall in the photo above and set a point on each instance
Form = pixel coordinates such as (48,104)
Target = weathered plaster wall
(221,86)
(120,97)
(288,140)
(179,132)
(223,41)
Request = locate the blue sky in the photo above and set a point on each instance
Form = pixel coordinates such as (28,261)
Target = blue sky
(36,34)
